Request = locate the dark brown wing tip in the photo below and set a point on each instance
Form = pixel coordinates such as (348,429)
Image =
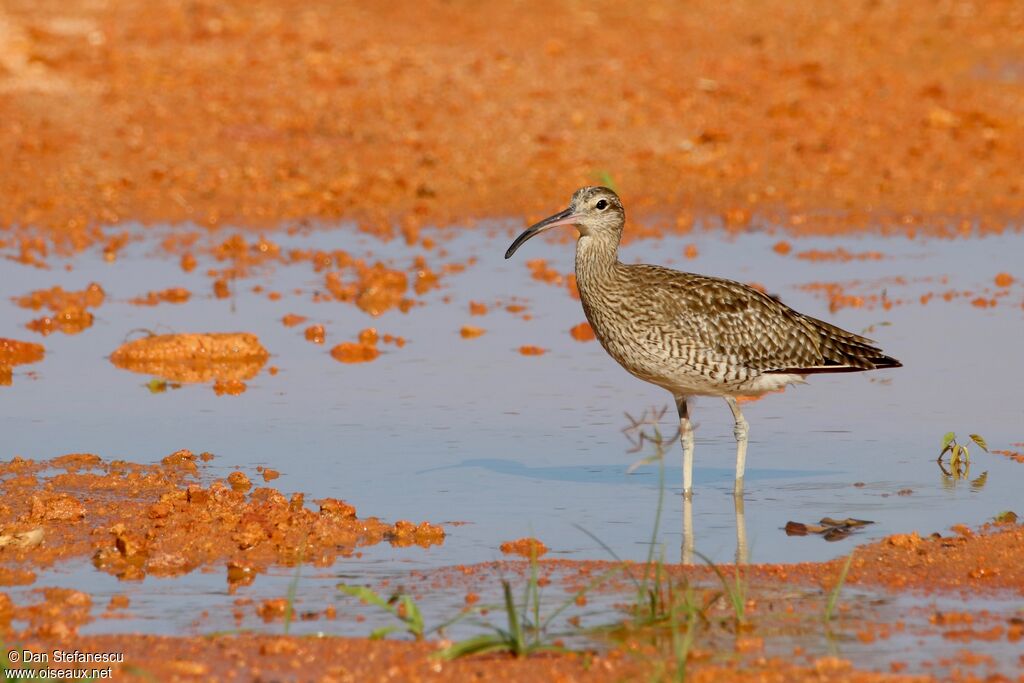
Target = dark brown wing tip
(886,362)
(877,363)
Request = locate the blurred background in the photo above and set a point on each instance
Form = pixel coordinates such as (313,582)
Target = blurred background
(389,114)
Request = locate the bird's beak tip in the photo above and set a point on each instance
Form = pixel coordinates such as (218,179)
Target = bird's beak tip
(566,217)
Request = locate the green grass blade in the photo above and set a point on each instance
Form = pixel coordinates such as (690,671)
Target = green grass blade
(452,621)
(367,595)
(293,589)
(735,593)
(514,629)
(833,596)
(413,617)
(661,505)
(481,644)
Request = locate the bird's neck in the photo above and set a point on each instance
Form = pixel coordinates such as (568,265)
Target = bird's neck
(597,257)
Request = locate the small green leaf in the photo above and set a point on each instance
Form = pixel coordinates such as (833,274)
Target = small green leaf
(947,439)
(976,438)
(365,594)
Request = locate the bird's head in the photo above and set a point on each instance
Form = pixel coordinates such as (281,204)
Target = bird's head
(595,211)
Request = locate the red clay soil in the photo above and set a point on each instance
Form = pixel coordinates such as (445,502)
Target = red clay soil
(255,112)
(986,561)
(162,520)
(965,561)
(352,660)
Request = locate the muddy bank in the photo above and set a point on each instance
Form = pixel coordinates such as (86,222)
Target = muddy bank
(258,113)
(249,657)
(172,518)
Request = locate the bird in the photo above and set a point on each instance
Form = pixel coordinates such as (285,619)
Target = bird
(691,334)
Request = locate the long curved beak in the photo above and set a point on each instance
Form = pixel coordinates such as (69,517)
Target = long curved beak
(566,217)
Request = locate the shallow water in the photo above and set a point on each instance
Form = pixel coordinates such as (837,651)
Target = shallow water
(447,429)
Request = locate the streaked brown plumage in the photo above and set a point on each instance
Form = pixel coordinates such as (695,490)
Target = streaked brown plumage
(694,334)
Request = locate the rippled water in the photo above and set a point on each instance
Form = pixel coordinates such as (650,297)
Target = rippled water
(447,429)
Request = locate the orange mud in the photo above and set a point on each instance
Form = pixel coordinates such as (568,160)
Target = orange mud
(985,561)
(161,520)
(827,116)
(1016,456)
(349,352)
(894,564)
(70,313)
(525,547)
(292,319)
(225,358)
(14,352)
(966,561)
(1004,280)
(839,254)
(582,332)
(248,657)
(173,295)
(853,293)
(315,334)
(136,520)
(364,350)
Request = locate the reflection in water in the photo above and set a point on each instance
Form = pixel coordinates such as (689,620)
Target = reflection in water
(224,358)
(960,462)
(644,430)
(689,537)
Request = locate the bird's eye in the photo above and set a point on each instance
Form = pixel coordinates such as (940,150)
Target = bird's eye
(602,204)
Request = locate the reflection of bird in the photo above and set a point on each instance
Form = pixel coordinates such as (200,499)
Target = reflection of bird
(691,334)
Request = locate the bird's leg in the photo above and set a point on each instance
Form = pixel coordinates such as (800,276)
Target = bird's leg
(740,431)
(688,542)
(686,437)
(742,554)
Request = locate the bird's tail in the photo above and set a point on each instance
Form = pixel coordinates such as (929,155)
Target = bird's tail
(842,351)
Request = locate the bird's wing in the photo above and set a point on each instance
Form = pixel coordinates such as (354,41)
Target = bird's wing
(750,328)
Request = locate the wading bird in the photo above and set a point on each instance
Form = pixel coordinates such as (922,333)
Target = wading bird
(691,334)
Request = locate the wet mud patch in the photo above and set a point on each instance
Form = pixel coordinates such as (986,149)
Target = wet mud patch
(14,352)
(247,656)
(172,518)
(880,608)
(227,359)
